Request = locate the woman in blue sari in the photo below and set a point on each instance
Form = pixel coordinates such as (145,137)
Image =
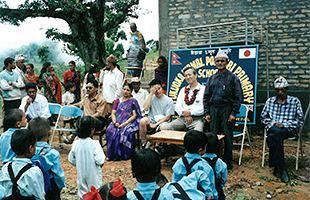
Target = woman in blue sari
(120,134)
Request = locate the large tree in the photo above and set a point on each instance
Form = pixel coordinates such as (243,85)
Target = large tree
(88,20)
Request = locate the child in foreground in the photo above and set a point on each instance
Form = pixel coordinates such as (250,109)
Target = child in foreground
(87,155)
(40,127)
(218,165)
(195,145)
(146,166)
(20,173)
(14,119)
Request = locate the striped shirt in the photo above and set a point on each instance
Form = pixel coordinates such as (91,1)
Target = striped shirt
(289,113)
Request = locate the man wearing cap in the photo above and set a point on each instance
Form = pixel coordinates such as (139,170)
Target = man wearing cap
(189,105)
(139,93)
(10,84)
(222,100)
(282,116)
(20,70)
(111,79)
(159,109)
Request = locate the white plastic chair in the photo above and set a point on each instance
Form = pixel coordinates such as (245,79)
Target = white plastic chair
(243,113)
(298,147)
(66,111)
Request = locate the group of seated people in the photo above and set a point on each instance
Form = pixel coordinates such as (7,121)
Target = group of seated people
(134,109)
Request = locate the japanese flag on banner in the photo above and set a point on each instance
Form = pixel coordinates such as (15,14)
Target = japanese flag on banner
(247,53)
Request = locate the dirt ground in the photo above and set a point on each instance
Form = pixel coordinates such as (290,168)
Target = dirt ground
(248,181)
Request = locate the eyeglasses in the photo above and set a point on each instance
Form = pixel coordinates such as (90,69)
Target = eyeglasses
(89,88)
(217,61)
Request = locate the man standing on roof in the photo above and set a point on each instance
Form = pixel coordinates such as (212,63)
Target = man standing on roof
(222,100)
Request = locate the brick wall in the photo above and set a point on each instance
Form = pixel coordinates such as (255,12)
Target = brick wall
(287,22)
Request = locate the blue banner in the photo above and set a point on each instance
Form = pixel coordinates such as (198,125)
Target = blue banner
(242,62)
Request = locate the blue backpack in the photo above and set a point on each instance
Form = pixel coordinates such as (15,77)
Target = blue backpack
(40,161)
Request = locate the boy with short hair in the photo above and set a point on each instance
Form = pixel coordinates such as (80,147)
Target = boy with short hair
(146,166)
(20,173)
(40,128)
(218,165)
(195,145)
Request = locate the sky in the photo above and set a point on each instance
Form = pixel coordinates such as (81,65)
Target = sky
(33,29)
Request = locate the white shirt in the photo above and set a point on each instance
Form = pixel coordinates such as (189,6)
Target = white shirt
(30,183)
(196,108)
(112,83)
(88,157)
(22,75)
(38,108)
(140,96)
(68,98)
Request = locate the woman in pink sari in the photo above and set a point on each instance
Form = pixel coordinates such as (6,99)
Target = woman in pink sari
(120,134)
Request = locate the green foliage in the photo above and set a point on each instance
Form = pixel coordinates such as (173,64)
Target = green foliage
(43,53)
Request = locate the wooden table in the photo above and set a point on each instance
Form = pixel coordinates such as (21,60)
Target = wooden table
(172,137)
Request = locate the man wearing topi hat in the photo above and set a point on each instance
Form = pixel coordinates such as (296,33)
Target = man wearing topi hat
(282,116)
(222,100)
(139,93)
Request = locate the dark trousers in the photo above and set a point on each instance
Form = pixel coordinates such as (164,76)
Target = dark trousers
(11,104)
(275,138)
(220,125)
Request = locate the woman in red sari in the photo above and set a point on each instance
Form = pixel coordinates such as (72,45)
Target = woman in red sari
(51,83)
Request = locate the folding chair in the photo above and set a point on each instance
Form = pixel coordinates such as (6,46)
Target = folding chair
(243,113)
(66,111)
(54,110)
(298,145)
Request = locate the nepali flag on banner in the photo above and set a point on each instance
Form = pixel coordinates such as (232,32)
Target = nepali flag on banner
(247,53)
(175,58)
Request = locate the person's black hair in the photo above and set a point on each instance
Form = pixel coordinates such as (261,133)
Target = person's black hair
(72,62)
(161,180)
(8,61)
(145,165)
(11,117)
(85,125)
(104,192)
(129,85)
(44,68)
(69,85)
(212,142)
(94,82)
(31,85)
(194,140)
(163,58)
(39,126)
(31,65)
(188,68)
(155,82)
(21,140)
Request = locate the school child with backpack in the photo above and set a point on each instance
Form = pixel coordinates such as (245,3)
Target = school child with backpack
(20,179)
(146,166)
(87,155)
(188,187)
(13,120)
(219,167)
(195,145)
(47,159)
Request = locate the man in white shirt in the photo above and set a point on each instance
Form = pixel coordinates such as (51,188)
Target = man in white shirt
(139,93)
(20,70)
(189,105)
(34,105)
(111,79)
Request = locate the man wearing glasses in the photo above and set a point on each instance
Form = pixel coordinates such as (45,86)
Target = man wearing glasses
(222,100)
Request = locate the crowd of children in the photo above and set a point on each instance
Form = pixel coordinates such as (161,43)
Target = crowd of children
(32,169)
